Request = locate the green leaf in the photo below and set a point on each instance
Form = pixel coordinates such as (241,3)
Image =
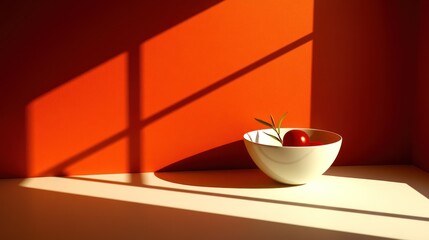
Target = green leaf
(263,122)
(275,137)
(280,122)
(273,122)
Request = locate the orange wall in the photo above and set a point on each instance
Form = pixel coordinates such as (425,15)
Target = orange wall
(115,88)
(206,79)
(128,88)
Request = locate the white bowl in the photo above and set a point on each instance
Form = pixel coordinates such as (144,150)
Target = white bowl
(293,165)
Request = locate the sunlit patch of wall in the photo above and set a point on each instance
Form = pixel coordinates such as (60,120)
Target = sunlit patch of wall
(194,87)
(66,123)
(204,80)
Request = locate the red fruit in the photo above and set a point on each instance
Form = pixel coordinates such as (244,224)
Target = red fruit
(296,138)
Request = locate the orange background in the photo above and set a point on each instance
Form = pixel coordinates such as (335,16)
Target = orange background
(117,88)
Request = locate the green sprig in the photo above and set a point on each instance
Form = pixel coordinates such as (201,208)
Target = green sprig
(273,126)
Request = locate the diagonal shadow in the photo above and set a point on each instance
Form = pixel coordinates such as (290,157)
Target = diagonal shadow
(67,39)
(134,220)
(228,79)
(231,155)
(268,184)
(134,109)
(134,129)
(413,176)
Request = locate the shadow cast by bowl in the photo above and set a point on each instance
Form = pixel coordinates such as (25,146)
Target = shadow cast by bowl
(239,171)
(229,156)
(245,178)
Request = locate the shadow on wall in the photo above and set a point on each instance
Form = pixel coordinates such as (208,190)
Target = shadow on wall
(44,45)
(364,58)
(229,156)
(421,155)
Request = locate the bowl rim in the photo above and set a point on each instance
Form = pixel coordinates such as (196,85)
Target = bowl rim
(291,128)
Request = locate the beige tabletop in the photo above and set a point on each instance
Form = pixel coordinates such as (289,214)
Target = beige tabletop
(352,202)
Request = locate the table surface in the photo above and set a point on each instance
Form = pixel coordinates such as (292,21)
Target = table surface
(347,202)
